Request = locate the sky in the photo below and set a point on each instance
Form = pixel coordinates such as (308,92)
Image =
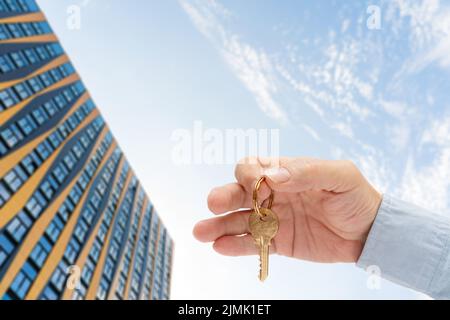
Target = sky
(332,84)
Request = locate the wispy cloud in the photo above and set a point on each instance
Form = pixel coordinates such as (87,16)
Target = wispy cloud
(251,66)
(356,83)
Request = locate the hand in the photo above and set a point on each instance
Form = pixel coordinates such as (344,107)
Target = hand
(325,208)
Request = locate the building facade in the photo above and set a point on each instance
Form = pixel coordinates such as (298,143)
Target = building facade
(74,221)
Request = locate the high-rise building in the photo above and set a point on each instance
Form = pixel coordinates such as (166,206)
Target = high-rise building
(74,221)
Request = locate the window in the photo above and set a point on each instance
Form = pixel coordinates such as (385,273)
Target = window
(6,247)
(13,181)
(19,59)
(95,251)
(43,150)
(40,252)
(39,115)
(19,226)
(75,194)
(88,270)
(78,150)
(69,160)
(49,294)
(55,228)
(31,55)
(64,212)
(71,251)
(102,232)
(45,77)
(35,84)
(121,285)
(79,293)
(55,139)
(27,124)
(114,250)
(8,98)
(56,74)
(27,29)
(14,30)
(83,180)
(51,108)
(4,194)
(68,95)
(33,207)
(12,5)
(21,285)
(22,90)
(102,289)
(42,53)
(5,64)
(28,165)
(60,172)
(47,190)
(4,34)
(60,102)
(59,276)
(109,268)
(9,137)
(96,199)
(81,231)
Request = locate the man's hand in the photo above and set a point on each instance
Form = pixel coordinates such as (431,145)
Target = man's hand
(325,208)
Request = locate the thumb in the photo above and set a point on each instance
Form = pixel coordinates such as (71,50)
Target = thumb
(303,174)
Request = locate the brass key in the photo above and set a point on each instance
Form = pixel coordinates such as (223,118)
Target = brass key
(263,226)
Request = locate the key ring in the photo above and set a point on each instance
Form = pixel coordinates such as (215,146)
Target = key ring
(255,197)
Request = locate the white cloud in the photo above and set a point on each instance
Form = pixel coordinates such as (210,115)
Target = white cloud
(429,26)
(429,185)
(345,25)
(313,133)
(399,136)
(344,129)
(394,108)
(251,66)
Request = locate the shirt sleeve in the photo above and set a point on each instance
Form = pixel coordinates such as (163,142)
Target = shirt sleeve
(411,247)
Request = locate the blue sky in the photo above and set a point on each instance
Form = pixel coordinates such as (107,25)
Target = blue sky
(312,69)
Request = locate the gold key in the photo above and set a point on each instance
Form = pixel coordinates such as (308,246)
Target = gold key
(263,225)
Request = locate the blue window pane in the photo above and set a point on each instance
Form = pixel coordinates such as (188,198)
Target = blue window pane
(35,84)
(19,59)
(3,149)
(45,78)
(15,30)
(29,271)
(5,244)
(12,6)
(49,294)
(40,116)
(13,181)
(5,64)
(8,98)
(22,90)
(21,285)
(42,52)
(4,193)
(4,33)
(31,55)
(27,124)
(28,29)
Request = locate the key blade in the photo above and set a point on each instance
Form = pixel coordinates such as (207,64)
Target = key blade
(264,259)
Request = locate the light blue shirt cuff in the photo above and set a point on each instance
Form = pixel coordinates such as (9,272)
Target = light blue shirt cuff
(411,247)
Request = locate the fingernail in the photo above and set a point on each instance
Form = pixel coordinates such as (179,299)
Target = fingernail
(278,175)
